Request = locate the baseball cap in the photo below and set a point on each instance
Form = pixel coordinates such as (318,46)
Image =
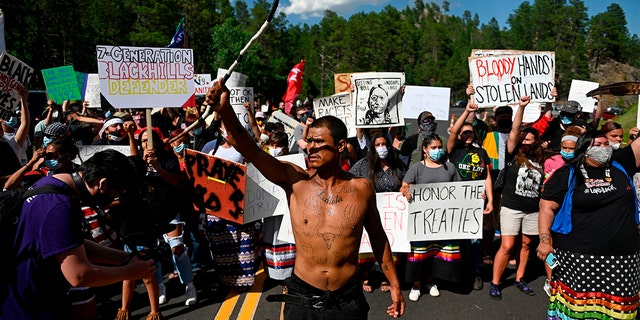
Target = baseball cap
(571,107)
(260,114)
(425,115)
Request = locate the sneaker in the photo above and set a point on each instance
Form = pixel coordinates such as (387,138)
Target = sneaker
(494,292)
(524,287)
(414,294)
(162,297)
(191,295)
(433,290)
(477,283)
(547,287)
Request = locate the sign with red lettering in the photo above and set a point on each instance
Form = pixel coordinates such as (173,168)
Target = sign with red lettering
(502,79)
(219,185)
(337,105)
(138,77)
(14,81)
(446,211)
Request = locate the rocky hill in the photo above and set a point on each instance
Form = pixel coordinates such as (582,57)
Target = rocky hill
(612,72)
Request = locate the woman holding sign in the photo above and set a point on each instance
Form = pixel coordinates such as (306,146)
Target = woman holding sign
(384,168)
(429,259)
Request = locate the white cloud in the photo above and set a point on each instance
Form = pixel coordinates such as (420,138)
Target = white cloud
(316,8)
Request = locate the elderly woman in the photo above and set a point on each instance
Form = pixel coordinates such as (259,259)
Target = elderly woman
(590,210)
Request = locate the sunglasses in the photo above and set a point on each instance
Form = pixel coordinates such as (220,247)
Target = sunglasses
(50,156)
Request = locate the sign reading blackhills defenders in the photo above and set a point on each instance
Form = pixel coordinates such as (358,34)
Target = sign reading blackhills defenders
(136,77)
(446,211)
(503,79)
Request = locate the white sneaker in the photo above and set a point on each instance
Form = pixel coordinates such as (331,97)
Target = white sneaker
(162,297)
(547,287)
(433,290)
(414,294)
(191,295)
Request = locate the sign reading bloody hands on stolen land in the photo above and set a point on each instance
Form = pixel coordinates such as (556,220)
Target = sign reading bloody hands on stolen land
(138,77)
(14,80)
(219,185)
(502,79)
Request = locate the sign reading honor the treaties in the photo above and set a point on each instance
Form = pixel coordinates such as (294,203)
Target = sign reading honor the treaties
(503,79)
(446,211)
(135,77)
(218,185)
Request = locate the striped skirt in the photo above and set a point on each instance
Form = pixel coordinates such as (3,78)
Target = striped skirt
(233,248)
(439,259)
(587,286)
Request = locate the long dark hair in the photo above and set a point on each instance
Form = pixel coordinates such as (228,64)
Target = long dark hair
(584,142)
(375,163)
(536,153)
(427,141)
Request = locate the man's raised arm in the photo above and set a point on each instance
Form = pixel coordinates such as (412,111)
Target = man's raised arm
(272,169)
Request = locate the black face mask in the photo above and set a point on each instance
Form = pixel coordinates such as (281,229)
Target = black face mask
(504,124)
(525,149)
(427,129)
(465,136)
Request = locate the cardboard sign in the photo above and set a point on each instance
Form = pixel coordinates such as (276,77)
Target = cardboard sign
(417,99)
(342,82)
(87,151)
(338,105)
(263,198)
(138,77)
(202,84)
(14,81)
(377,99)
(92,91)
(236,79)
(578,92)
(446,211)
(237,97)
(219,185)
(393,209)
(289,123)
(62,84)
(502,79)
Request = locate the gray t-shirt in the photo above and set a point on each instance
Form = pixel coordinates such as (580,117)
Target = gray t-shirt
(297,135)
(420,174)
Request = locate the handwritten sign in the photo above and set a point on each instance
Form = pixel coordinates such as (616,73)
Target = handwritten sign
(219,185)
(14,80)
(377,98)
(263,198)
(61,84)
(202,83)
(87,151)
(342,82)
(139,77)
(417,99)
(503,79)
(289,123)
(394,212)
(578,92)
(445,211)
(337,105)
(92,91)
(236,79)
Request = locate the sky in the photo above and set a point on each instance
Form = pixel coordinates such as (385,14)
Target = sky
(311,11)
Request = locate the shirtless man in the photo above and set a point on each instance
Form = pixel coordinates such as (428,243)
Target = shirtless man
(329,209)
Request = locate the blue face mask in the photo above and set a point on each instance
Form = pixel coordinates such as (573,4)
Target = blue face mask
(197,131)
(45,141)
(436,155)
(566,120)
(12,122)
(567,155)
(53,164)
(179,148)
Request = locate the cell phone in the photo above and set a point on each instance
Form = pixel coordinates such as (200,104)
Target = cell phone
(551,260)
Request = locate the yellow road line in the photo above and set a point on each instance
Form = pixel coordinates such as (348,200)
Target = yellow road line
(227,306)
(250,303)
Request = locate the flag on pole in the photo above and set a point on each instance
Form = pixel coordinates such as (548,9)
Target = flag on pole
(179,38)
(294,86)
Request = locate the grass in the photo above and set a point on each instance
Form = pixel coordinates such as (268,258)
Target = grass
(627,120)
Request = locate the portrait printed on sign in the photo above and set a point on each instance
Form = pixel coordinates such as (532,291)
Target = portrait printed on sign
(378,99)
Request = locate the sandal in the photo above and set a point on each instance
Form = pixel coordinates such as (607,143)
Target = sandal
(385,286)
(123,314)
(366,287)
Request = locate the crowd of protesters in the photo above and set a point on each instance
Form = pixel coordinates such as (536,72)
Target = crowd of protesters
(529,170)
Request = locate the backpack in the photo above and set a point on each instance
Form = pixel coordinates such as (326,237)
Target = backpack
(10,210)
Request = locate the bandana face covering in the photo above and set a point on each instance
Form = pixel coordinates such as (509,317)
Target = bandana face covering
(427,129)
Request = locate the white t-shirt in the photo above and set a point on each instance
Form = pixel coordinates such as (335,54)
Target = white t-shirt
(230,154)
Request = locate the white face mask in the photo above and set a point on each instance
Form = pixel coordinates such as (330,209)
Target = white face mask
(614,145)
(600,154)
(382,152)
(276,152)
(264,137)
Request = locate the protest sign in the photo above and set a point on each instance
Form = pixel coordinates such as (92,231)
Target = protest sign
(417,99)
(236,79)
(139,77)
(263,198)
(377,99)
(393,209)
(87,151)
(342,82)
(502,79)
(14,81)
(237,97)
(81,79)
(446,211)
(337,105)
(289,123)
(202,84)
(218,185)
(92,91)
(578,92)
(61,83)
(531,112)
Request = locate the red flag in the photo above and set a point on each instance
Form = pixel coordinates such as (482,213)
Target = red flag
(294,86)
